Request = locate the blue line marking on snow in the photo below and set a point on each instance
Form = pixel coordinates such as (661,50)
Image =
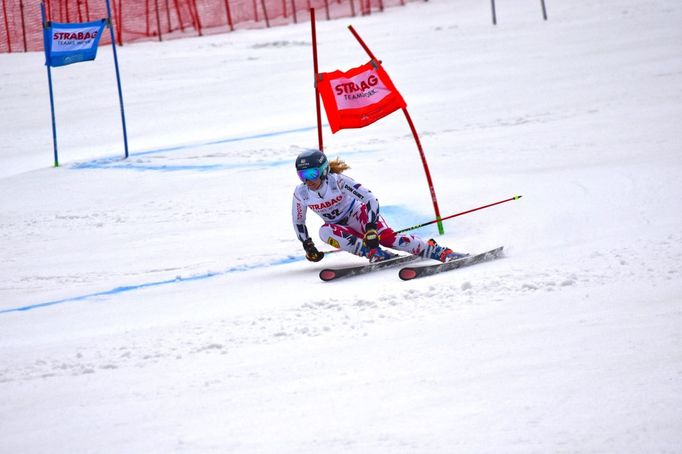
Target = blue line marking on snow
(119,163)
(116,164)
(227,140)
(395,215)
(177,280)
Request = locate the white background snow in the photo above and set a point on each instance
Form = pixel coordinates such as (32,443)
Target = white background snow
(162,303)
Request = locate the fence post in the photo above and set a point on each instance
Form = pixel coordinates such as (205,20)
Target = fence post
(168,17)
(23,24)
(293,11)
(147,30)
(9,38)
(177,13)
(265,13)
(158,19)
(229,15)
(195,16)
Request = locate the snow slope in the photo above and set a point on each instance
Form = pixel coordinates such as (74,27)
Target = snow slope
(161,303)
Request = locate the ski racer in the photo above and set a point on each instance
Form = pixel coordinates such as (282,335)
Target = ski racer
(351,215)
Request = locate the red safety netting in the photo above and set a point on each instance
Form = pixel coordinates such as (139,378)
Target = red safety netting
(135,20)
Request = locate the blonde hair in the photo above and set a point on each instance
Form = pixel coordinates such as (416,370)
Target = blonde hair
(338,166)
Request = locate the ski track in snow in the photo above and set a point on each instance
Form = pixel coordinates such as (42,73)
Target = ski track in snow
(354,316)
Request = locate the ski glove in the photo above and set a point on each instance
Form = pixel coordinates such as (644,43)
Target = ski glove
(371,238)
(311,252)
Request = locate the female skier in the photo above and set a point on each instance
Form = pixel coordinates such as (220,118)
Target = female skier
(351,215)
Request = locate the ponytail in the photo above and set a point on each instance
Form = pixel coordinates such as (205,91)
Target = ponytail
(338,166)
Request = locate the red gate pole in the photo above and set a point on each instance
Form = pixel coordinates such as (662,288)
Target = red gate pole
(320,146)
(426,171)
(416,139)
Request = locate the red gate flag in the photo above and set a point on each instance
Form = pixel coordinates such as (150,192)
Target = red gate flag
(358,97)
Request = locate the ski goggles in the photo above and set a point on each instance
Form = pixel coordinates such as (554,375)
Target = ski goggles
(313,173)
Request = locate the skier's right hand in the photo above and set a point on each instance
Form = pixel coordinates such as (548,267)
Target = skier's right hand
(311,252)
(371,238)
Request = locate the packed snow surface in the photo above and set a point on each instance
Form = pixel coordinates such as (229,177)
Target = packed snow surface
(161,303)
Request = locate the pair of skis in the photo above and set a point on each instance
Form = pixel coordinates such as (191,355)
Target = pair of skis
(410,272)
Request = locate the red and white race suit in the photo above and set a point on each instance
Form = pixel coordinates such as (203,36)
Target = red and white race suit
(346,208)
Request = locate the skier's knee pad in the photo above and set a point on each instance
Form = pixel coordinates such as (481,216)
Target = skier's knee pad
(327,236)
(338,236)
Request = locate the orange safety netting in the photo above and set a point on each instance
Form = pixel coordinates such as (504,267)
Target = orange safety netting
(135,20)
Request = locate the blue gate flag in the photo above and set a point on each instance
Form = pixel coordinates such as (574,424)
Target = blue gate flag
(71,43)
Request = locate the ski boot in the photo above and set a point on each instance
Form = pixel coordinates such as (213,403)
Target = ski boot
(441,253)
(376,255)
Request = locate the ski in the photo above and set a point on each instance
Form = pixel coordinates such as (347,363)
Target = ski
(330,274)
(413,272)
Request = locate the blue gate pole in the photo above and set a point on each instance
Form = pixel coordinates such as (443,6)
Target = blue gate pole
(118,78)
(49,82)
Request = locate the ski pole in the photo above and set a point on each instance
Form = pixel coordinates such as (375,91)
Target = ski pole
(458,214)
(517,197)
